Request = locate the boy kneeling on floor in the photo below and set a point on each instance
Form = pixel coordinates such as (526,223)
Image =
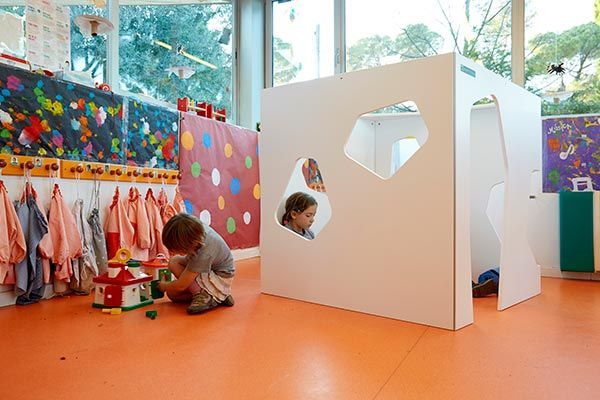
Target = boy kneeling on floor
(201,262)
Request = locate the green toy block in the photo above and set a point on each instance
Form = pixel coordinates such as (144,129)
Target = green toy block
(164,274)
(152,314)
(155,291)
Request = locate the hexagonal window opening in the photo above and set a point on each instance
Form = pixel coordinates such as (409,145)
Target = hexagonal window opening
(304,209)
(384,140)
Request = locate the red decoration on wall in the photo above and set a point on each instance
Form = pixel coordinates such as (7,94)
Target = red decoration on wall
(220,179)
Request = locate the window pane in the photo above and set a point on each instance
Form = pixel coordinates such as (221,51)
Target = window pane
(155,38)
(88,54)
(381,32)
(557,34)
(302,40)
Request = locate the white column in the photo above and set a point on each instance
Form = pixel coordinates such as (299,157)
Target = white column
(518,42)
(339,35)
(250,60)
(112,47)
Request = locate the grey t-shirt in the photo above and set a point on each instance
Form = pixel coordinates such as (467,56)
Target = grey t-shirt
(215,255)
(306,233)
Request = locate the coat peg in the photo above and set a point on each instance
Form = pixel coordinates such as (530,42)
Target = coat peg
(174,176)
(179,176)
(145,174)
(165,176)
(117,172)
(2,163)
(28,165)
(151,174)
(78,169)
(136,173)
(54,167)
(99,171)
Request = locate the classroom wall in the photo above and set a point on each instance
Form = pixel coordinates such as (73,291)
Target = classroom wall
(69,189)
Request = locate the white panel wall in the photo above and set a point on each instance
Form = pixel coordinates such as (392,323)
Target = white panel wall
(409,215)
(400,247)
(361,144)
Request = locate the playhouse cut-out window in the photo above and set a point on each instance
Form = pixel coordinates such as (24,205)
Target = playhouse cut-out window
(309,209)
(384,140)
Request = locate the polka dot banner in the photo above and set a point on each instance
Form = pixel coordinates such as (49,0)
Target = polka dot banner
(205,217)
(220,178)
(216,177)
(230,225)
(187,140)
(235,186)
(206,140)
(228,149)
(256,191)
(196,169)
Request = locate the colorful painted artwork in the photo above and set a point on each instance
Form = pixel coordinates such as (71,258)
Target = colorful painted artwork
(312,175)
(220,180)
(43,116)
(571,153)
(152,135)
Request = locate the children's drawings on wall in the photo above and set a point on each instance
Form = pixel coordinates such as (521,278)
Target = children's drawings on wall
(312,175)
(152,135)
(42,116)
(571,153)
(220,180)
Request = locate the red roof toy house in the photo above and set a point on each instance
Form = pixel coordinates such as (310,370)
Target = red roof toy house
(124,285)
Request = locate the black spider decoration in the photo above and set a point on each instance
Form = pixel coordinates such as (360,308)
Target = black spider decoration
(557,69)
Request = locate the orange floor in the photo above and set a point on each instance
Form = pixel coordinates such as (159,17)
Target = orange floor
(273,348)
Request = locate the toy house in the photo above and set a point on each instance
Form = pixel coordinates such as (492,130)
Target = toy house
(157,269)
(124,286)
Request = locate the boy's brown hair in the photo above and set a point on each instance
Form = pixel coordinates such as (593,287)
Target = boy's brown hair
(183,234)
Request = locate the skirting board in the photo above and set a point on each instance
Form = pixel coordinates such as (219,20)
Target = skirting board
(243,254)
(549,272)
(8,298)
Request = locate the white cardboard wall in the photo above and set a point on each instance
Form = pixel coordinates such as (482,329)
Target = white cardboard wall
(389,248)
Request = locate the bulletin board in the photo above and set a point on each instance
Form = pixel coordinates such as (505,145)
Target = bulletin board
(43,116)
(571,149)
(152,135)
(220,178)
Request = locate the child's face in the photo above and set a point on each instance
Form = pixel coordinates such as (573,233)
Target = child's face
(306,218)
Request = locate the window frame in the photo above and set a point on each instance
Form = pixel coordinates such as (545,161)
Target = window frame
(339,15)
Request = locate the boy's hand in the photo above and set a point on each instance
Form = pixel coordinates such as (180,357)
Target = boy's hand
(162,285)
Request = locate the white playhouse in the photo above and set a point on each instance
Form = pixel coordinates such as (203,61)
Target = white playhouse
(403,242)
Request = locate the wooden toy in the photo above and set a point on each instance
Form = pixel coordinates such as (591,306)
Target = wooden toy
(124,286)
(203,109)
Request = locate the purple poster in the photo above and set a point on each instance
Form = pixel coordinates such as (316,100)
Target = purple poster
(571,153)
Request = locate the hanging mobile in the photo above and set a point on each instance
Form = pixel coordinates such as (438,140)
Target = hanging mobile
(557,69)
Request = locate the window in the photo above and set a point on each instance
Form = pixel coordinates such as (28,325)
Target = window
(156,39)
(88,54)
(388,31)
(557,33)
(302,40)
